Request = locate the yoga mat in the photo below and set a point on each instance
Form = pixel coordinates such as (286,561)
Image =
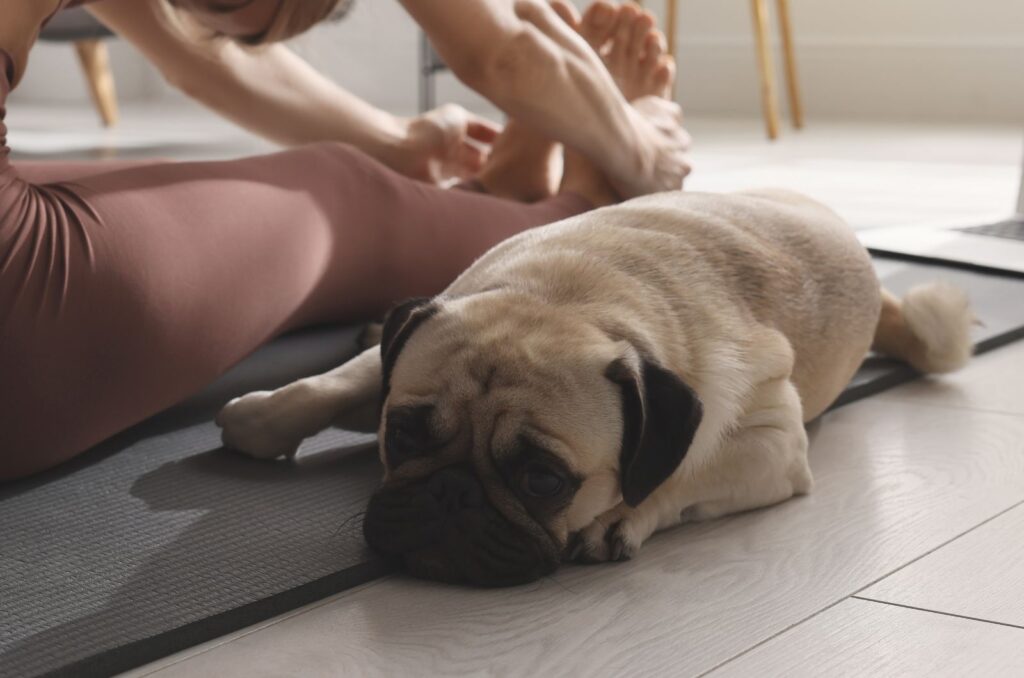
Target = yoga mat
(158,540)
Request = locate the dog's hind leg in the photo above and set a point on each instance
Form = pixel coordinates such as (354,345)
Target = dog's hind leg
(762,463)
(271,424)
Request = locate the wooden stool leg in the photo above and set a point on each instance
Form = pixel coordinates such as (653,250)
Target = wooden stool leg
(764,62)
(95,60)
(793,86)
(671,17)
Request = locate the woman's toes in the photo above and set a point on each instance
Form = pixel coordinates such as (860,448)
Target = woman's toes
(664,76)
(631,46)
(642,27)
(654,46)
(598,23)
(619,61)
(639,68)
(567,13)
(647,68)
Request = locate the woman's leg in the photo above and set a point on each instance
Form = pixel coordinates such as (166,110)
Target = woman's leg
(123,292)
(49,172)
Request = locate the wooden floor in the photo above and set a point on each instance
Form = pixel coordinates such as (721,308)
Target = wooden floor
(907,559)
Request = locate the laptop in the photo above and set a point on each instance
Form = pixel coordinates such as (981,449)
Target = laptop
(990,247)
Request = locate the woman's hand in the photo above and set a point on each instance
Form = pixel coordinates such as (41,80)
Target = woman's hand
(662,146)
(274,93)
(443,144)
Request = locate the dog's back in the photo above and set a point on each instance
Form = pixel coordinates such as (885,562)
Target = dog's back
(797,267)
(697,269)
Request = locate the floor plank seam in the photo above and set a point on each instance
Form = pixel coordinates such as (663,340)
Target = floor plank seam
(959,408)
(936,548)
(771,637)
(823,163)
(855,594)
(945,614)
(249,630)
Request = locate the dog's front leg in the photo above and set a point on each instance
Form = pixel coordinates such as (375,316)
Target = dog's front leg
(617,534)
(271,424)
(763,462)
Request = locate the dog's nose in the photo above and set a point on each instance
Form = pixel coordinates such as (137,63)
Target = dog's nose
(456,488)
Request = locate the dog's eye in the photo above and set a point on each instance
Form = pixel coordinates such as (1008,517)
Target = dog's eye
(402,445)
(538,481)
(404,442)
(407,435)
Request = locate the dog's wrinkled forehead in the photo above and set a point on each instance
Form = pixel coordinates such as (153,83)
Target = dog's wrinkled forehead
(464,387)
(491,371)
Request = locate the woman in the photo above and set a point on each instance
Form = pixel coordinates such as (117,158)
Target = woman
(537,70)
(126,287)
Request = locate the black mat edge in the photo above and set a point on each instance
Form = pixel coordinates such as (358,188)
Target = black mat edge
(901,373)
(156,647)
(146,650)
(944,263)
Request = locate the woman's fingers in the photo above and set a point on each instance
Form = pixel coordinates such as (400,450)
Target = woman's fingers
(567,13)
(470,160)
(482,130)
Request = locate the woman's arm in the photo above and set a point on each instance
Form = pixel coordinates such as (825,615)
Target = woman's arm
(274,93)
(533,66)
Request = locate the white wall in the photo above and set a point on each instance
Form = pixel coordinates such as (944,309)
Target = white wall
(934,60)
(950,60)
(53,75)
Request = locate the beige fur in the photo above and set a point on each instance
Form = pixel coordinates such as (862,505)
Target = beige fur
(929,328)
(763,302)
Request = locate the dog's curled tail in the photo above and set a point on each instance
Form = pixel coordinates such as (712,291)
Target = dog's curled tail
(930,328)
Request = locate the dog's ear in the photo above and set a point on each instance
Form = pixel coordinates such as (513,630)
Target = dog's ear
(399,325)
(660,416)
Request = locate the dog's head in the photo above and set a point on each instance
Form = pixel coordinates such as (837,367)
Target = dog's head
(505,428)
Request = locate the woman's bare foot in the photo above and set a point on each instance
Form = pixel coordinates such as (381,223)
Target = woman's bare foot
(582,177)
(526,167)
(632,48)
(523,165)
(646,149)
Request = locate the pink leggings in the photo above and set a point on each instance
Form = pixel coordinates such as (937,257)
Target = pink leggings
(125,288)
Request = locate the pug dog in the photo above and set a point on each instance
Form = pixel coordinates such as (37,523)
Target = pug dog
(587,383)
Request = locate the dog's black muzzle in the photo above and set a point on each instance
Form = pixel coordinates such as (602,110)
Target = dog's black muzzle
(445,528)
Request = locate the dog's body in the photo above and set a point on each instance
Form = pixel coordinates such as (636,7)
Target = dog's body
(607,376)
(684,276)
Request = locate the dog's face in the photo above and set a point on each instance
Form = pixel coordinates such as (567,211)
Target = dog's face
(506,428)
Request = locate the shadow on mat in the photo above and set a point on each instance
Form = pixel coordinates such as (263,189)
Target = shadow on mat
(239,539)
(291,357)
(253,529)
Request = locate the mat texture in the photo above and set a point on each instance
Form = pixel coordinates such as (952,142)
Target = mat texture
(158,540)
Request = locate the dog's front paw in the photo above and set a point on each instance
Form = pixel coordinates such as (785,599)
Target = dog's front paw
(370,336)
(614,536)
(249,424)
